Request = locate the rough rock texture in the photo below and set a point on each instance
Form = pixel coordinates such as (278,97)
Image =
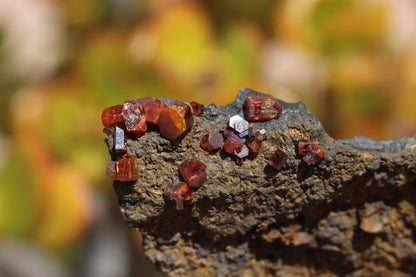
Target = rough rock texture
(354,213)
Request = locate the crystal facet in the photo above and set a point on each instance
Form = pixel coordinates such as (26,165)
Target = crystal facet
(308,146)
(134,119)
(179,193)
(255,144)
(152,111)
(241,152)
(232,143)
(119,145)
(112,115)
(111,170)
(124,169)
(212,141)
(175,119)
(278,159)
(197,108)
(314,157)
(193,171)
(260,108)
(238,124)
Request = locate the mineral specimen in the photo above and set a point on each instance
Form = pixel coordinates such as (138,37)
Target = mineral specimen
(119,145)
(254,145)
(175,119)
(314,157)
(134,119)
(197,108)
(312,151)
(179,193)
(152,111)
(233,142)
(212,141)
(193,172)
(123,169)
(261,108)
(278,159)
(238,124)
(112,115)
(241,152)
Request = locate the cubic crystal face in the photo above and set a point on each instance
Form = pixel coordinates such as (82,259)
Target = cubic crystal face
(238,124)
(212,141)
(179,193)
(119,145)
(278,159)
(134,119)
(193,172)
(261,108)
(124,169)
(112,115)
(233,142)
(175,119)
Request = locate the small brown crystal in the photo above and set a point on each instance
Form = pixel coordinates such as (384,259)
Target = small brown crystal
(134,119)
(193,171)
(212,141)
(197,108)
(233,142)
(124,169)
(255,144)
(112,115)
(314,157)
(119,145)
(278,159)
(260,108)
(175,119)
(179,193)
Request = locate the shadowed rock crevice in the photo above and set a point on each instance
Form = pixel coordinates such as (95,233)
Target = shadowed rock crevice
(353,213)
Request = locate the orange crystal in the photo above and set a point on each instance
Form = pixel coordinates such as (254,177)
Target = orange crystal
(179,193)
(233,142)
(261,108)
(123,169)
(197,108)
(193,171)
(112,115)
(212,141)
(175,119)
(152,111)
(134,119)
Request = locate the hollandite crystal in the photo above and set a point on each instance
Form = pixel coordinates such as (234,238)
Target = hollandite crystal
(152,111)
(308,146)
(212,141)
(233,142)
(241,152)
(193,171)
(179,193)
(314,157)
(197,108)
(261,108)
(124,169)
(278,159)
(175,119)
(134,119)
(238,124)
(119,145)
(112,115)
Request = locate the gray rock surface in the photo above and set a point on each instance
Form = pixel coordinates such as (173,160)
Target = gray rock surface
(354,213)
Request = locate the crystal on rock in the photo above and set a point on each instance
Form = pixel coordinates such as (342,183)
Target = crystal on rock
(175,119)
(134,118)
(112,115)
(314,157)
(238,124)
(111,170)
(197,108)
(232,143)
(308,146)
(255,144)
(260,108)
(123,169)
(119,145)
(241,152)
(278,159)
(152,111)
(179,193)
(193,171)
(212,141)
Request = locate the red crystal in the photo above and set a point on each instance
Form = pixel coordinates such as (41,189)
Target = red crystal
(255,144)
(278,159)
(112,115)
(308,146)
(134,119)
(212,141)
(233,142)
(314,157)
(260,108)
(179,193)
(197,108)
(175,119)
(124,169)
(119,145)
(152,111)
(193,171)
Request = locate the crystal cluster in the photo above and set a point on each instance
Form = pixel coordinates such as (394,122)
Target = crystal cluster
(311,151)
(238,139)
(194,174)
(173,118)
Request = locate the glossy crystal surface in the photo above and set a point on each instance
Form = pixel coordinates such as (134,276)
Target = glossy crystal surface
(175,119)
(232,143)
(308,146)
(119,145)
(212,141)
(261,108)
(134,119)
(193,172)
(112,115)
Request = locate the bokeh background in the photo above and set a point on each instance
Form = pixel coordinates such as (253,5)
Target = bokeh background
(62,62)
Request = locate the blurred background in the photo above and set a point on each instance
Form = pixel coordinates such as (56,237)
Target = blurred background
(62,62)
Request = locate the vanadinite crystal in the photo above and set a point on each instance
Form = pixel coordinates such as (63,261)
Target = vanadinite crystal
(119,145)
(241,152)
(238,124)
(179,193)
(314,157)
(124,169)
(308,146)
(232,143)
(197,108)
(175,119)
(260,108)
(152,111)
(212,141)
(112,115)
(255,144)
(193,171)
(278,159)
(134,119)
